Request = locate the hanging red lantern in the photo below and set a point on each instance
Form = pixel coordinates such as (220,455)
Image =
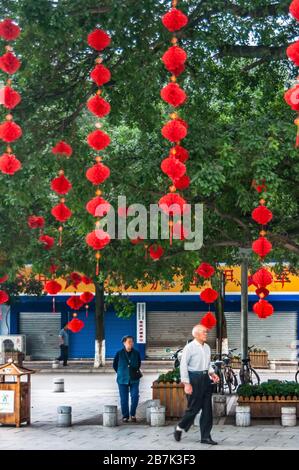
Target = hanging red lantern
(47,241)
(4,297)
(98,239)
(98,39)
(53,287)
(174,131)
(174,20)
(62,148)
(262,215)
(172,204)
(156,252)
(9,98)
(98,106)
(263,309)
(61,212)
(205,270)
(9,31)
(61,185)
(174,60)
(100,75)
(180,153)
(182,183)
(86,280)
(209,295)
(294,9)
(209,321)
(98,173)
(262,278)
(98,140)
(75,325)
(293,53)
(9,63)
(35,221)
(86,297)
(10,131)
(9,164)
(75,279)
(173,168)
(98,207)
(262,246)
(291,97)
(173,94)
(74,302)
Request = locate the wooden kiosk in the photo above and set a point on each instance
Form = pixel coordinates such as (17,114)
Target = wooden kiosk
(15,392)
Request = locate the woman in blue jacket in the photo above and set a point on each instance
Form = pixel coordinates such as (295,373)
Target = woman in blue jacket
(127,364)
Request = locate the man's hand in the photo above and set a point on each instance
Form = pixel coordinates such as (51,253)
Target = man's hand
(215,378)
(188,389)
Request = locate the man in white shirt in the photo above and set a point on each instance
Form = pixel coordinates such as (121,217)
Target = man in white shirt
(196,374)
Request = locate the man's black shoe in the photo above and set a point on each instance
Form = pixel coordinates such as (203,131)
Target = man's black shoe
(209,441)
(177,434)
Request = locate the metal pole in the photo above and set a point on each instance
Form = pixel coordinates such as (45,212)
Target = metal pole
(244,307)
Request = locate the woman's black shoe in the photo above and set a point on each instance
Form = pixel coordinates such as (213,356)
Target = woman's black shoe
(209,441)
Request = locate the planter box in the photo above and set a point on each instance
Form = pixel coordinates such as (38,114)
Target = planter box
(172,396)
(268,407)
(235,364)
(259,360)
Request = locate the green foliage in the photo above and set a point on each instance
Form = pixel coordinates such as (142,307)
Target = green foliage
(271,388)
(170,376)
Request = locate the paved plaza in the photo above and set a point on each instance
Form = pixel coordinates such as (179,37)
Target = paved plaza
(87,393)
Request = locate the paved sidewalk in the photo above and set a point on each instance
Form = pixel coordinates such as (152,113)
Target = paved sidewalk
(87,393)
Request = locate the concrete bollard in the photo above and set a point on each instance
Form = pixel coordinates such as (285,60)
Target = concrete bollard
(55,365)
(219,406)
(110,416)
(158,416)
(58,385)
(149,405)
(64,416)
(242,416)
(288,416)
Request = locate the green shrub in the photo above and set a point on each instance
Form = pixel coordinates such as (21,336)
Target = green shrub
(170,376)
(271,388)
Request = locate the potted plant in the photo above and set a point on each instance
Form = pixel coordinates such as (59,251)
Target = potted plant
(259,358)
(170,391)
(265,400)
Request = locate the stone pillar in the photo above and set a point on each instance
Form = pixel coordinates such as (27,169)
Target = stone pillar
(149,405)
(219,408)
(288,416)
(158,416)
(110,416)
(58,385)
(64,416)
(242,416)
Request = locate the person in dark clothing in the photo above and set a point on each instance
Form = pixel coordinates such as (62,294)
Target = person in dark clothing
(127,364)
(64,345)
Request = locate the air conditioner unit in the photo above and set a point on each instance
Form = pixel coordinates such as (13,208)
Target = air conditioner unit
(13,343)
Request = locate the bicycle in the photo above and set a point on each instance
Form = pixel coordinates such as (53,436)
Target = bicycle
(228,380)
(248,374)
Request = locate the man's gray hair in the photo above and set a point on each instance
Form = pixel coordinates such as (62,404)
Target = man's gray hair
(197,328)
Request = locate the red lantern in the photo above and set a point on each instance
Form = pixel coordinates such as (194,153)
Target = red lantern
(293,53)
(174,131)
(10,131)
(98,106)
(156,252)
(98,39)
(173,94)
(182,183)
(98,140)
(75,278)
(291,97)
(263,309)
(53,287)
(74,302)
(100,75)
(98,173)
(262,215)
(174,60)
(75,325)
(62,148)
(61,212)
(9,164)
(209,321)
(86,297)
(262,278)
(174,20)
(294,9)
(9,31)
(209,295)
(205,270)
(172,204)
(262,246)
(35,221)
(9,63)
(46,241)
(180,153)
(98,239)
(98,207)
(86,280)
(173,168)
(61,185)
(4,297)
(9,98)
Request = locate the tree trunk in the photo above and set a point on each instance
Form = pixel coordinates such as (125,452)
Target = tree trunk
(221,328)
(100,350)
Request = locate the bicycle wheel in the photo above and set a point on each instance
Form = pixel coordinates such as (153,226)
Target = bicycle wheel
(254,377)
(229,380)
(297,376)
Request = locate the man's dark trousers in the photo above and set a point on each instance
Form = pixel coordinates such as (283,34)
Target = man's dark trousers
(64,354)
(201,399)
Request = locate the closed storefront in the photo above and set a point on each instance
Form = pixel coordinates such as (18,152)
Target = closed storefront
(274,334)
(41,330)
(171,329)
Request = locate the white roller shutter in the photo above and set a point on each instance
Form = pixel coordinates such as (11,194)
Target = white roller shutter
(171,330)
(41,330)
(274,334)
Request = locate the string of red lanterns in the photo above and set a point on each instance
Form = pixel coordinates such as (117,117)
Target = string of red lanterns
(98,140)
(9,98)
(262,247)
(176,129)
(207,295)
(61,186)
(291,96)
